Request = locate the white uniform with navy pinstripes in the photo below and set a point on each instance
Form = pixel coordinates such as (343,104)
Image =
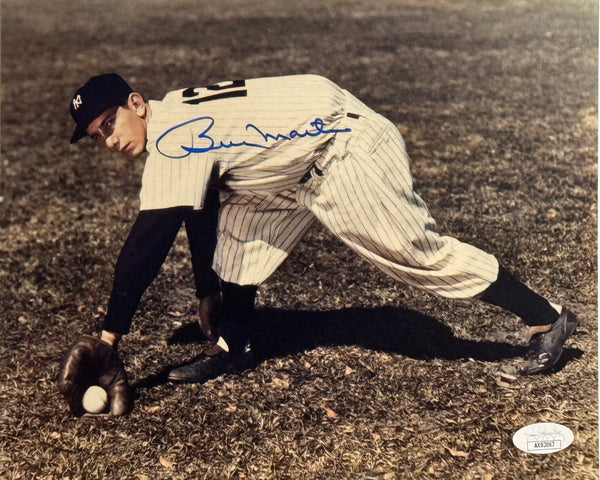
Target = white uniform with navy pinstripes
(361,188)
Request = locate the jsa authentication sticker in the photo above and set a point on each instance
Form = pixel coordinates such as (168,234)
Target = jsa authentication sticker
(542,438)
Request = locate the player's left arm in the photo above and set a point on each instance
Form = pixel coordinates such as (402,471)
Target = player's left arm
(93,361)
(141,257)
(146,249)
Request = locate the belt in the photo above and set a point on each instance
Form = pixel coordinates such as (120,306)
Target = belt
(308,175)
(316,170)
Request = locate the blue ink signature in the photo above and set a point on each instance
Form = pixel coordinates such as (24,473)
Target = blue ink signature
(205,143)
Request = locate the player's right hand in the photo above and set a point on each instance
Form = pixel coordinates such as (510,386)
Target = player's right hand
(206,316)
(90,361)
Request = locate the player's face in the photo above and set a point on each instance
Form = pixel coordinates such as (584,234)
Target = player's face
(122,128)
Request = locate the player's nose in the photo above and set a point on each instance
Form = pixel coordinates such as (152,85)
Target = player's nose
(112,142)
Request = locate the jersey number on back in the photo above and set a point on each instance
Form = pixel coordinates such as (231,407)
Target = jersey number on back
(232,89)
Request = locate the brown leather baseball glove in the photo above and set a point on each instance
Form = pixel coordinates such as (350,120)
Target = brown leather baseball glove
(90,361)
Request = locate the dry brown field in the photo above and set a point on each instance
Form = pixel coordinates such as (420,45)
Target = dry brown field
(360,377)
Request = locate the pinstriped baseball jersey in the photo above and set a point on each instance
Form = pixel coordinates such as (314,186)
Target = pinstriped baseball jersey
(360,186)
(258,135)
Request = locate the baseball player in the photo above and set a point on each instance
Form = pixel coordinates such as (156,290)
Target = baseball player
(283,152)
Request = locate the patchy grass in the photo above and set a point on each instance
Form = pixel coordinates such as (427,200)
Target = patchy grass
(360,377)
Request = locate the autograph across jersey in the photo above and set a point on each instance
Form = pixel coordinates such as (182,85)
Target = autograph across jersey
(254,135)
(256,140)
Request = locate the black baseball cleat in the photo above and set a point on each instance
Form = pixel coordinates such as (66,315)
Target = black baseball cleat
(213,363)
(545,348)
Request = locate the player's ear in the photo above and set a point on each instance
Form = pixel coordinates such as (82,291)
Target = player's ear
(136,103)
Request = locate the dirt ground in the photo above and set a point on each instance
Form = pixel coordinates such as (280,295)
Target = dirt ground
(360,377)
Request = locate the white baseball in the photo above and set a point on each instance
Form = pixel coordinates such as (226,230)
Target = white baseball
(95,399)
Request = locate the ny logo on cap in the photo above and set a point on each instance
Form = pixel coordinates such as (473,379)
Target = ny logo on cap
(77,102)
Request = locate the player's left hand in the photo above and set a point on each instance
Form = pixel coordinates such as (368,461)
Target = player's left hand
(90,361)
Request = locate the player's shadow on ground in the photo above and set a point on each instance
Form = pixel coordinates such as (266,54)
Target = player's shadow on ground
(388,329)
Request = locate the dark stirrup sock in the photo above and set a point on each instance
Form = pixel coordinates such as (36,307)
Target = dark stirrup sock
(512,295)
(237,322)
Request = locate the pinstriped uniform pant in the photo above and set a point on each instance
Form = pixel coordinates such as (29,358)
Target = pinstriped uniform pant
(362,191)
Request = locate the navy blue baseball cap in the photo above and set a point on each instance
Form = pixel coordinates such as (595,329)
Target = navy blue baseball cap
(95,97)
